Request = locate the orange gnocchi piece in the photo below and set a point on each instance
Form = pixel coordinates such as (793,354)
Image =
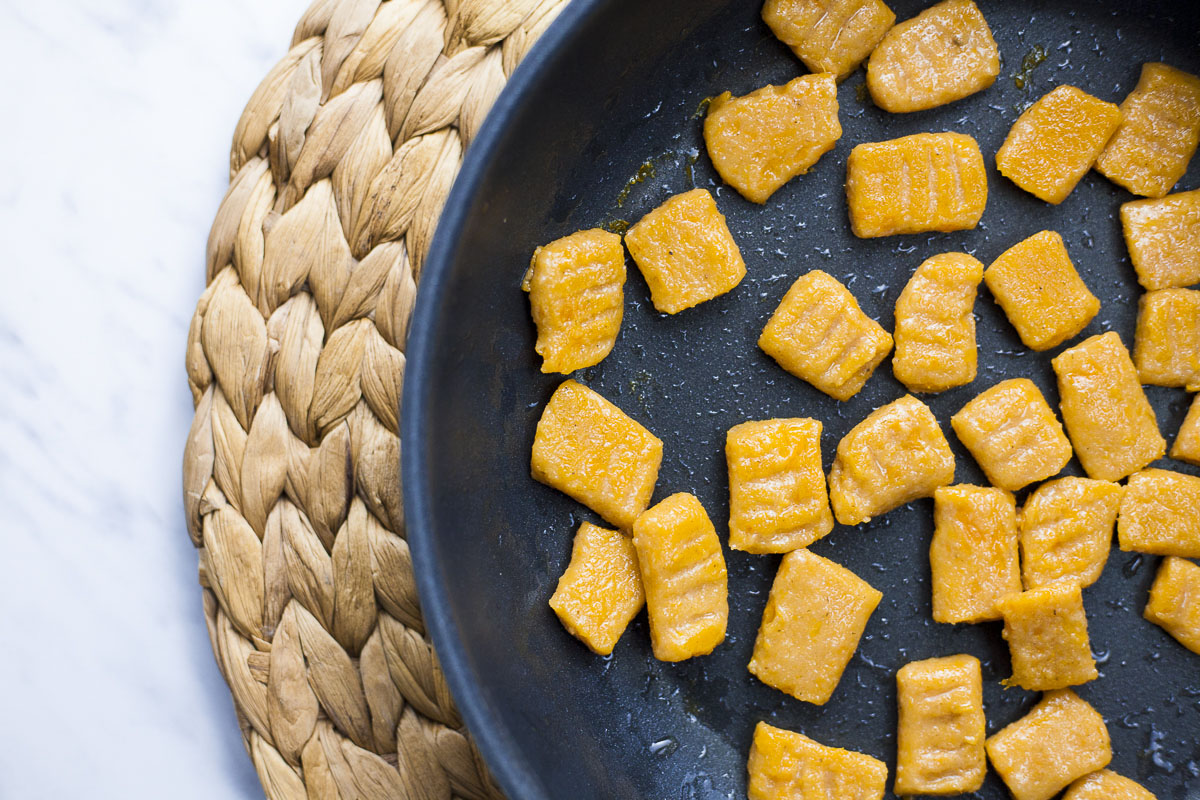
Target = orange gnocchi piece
(1047,634)
(1160,514)
(1106,785)
(1110,421)
(895,455)
(943,54)
(1061,739)
(1187,441)
(973,558)
(916,184)
(1166,345)
(1066,531)
(576,288)
(601,589)
(935,324)
(814,617)
(1175,601)
(1040,291)
(829,35)
(592,451)
(684,577)
(1012,432)
(1159,130)
(760,141)
(777,496)
(784,765)
(1163,238)
(819,334)
(1055,141)
(940,734)
(685,252)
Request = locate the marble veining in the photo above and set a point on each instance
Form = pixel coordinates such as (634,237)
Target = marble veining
(115,137)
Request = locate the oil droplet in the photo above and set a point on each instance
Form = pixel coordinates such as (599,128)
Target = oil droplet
(646,170)
(874,664)
(1157,752)
(1035,56)
(1132,566)
(1128,722)
(617,226)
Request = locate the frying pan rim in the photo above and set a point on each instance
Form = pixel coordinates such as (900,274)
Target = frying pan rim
(491,733)
(497,747)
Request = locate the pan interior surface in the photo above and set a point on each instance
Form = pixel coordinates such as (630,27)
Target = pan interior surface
(601,125)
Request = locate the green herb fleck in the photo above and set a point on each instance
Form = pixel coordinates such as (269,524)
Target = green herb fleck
(1032,59)
(702,109)
(860,92)
(642,385)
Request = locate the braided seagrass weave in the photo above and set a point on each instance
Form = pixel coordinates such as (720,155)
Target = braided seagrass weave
(340,166)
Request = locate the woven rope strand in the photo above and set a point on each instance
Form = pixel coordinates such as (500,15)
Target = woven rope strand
(339,169)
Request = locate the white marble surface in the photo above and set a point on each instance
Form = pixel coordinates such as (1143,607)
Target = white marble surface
(114,141)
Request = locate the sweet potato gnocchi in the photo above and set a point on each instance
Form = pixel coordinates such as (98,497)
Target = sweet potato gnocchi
(685,252)
(777,496)
(1111,424)
(1055,141)
(760,141)
(1061,739)
(1106,785)
(1166,346)
(592,451)
(601,590)
(684,577)
(973,558)
(1042,295)
(916,184)
(829,35)
(941,730)
(935,324)
(1175,601)
(1047,634)
(1160,514)
(576,294)
(895,455)
(1159,130)
(1012,432)
(1187,442)
(1066,530)
(1163,239)
(943,54)
(784,765)
(819,334)
(814,617)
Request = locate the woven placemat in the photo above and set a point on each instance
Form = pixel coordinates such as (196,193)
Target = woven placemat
(340,166)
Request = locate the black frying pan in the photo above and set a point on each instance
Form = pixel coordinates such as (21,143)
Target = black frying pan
(613,93)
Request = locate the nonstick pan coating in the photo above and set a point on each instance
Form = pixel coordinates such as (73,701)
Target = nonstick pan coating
(600,125)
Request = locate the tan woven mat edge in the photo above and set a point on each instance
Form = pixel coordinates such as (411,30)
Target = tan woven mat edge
(339,169)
